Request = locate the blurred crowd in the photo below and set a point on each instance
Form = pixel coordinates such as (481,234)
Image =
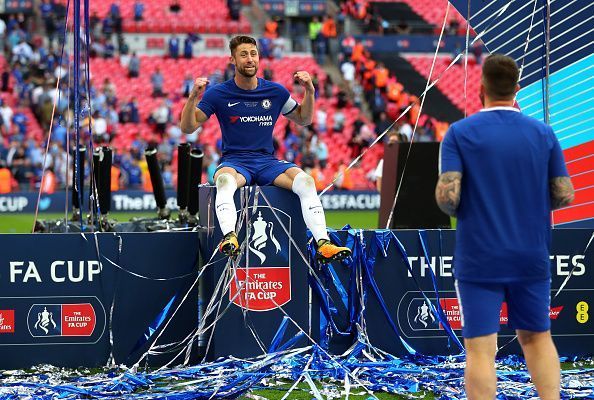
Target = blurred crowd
(36,84)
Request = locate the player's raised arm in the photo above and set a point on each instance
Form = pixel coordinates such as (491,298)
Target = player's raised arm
(303,114)
(192,117)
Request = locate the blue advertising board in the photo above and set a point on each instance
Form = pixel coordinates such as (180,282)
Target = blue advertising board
(404,309)
(412,43)
(139,201)
(294,8)
(63,295)
(269,279)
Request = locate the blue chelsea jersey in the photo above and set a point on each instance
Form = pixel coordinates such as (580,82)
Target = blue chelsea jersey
(507,160)
(247,117)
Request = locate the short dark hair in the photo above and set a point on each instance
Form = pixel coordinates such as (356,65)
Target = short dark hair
(500,77)
(241,39)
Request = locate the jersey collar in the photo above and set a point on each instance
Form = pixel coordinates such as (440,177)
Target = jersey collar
(500,108)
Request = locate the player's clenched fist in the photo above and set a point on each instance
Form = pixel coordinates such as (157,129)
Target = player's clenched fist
(199,87)
(304,79)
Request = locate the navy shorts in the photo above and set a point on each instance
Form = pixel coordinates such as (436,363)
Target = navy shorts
(528,305)
(261,170)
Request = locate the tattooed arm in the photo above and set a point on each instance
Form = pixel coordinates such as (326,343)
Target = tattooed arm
(562,192)
(447,192)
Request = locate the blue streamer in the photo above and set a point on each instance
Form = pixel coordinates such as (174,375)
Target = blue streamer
(369,269)
(437,309)
(278,336)
(154,326)
(231,378)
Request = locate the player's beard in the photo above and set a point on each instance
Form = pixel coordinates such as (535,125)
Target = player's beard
(248,73)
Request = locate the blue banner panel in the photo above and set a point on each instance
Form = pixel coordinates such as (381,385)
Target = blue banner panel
(294,8)
(412,43)
(266,282)
(63,295)
(412,303)
(139,201)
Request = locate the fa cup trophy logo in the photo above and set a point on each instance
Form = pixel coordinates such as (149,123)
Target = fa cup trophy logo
(262,231)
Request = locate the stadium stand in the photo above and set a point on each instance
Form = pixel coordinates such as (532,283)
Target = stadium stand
(452,82)
(202,16)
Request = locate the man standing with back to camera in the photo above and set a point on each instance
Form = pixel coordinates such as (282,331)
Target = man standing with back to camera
(247,109)
(501,174)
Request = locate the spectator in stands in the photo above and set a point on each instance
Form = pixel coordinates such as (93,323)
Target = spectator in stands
(48,182)
(403,28)
(477,51)
(278,47)
(99,128)
(138,10)
(116,17)
(134,66)
(317,173)
(6,180)
(215,78)
(134,111)
(328,87)
(290,139)
(378,172)
(234,7)
(20,122)
(46,9)
(314,28)
(187,85)
(452,26)
(229,71)
(321,119)
(174,47)
(457,51)
(329,35)
(348,72)
(59,163)
(174,133)
(361,140)
(5,78)
(22,52)
(109,49)
(174,6)
(320,151)
(161,117)
(423,135)
(125,114)
(95,25)
(339,120)
(157,81)
(382,123)
(378,104)
(381,74)
(21,167)
(188,47)
(343,180)
(267,73)
(107,27)
(271,28)
(134,173)
(347,44)
(6,113)
(405,130)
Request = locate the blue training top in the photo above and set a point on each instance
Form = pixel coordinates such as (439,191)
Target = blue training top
(504,224)
(247,117)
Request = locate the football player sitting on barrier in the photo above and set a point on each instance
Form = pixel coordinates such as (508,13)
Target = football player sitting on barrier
(247,108)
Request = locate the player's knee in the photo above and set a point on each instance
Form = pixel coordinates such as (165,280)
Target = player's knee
(226,182)
(304,184)
(529,338)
